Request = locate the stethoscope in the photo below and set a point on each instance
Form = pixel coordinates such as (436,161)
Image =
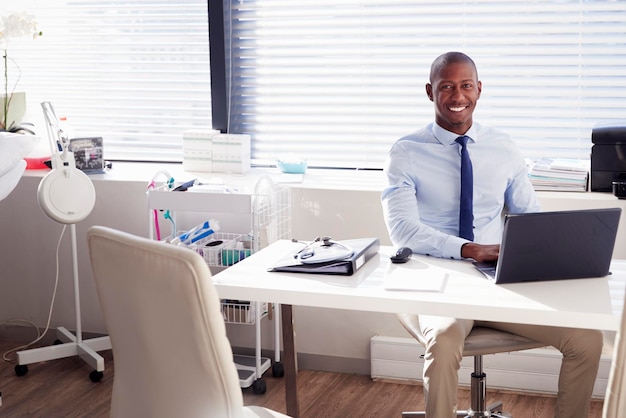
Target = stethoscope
(326,250)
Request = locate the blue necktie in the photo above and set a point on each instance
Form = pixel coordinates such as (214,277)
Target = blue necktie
(466,216)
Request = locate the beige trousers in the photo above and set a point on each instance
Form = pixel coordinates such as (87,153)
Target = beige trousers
(445,337)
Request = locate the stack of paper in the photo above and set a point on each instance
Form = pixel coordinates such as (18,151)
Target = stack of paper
(407,277)
(559,174)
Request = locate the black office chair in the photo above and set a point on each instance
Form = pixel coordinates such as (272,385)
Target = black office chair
(480,341)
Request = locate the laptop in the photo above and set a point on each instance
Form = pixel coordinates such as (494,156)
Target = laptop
(558,245)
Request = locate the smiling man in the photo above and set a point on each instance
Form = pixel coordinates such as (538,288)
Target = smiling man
(423,210)
(422,200)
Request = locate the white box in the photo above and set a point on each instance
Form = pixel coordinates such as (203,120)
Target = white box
(231,153)
(198,149)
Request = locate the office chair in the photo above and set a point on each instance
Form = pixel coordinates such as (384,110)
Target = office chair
(615,397)
(172,357)
(480,341)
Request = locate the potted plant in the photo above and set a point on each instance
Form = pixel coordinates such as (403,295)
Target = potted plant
(13,104)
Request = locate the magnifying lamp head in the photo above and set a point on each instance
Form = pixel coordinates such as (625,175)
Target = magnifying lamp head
(66,195)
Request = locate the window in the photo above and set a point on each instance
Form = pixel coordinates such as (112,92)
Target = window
(338,81)
(133,72)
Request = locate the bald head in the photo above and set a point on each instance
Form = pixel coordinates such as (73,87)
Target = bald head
(444,60)
(454,89)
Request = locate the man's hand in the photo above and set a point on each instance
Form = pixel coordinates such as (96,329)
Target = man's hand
(480,252)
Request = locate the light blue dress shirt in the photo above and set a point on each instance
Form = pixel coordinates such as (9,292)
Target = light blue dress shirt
(421,201)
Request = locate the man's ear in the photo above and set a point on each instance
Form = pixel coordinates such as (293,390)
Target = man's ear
(429,91)
(480,88)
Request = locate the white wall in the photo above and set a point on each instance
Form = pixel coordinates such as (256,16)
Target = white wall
(28,252)
(322,205)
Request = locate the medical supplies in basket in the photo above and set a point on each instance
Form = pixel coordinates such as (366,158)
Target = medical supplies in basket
(217,248)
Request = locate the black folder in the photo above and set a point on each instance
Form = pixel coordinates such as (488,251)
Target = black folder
(364,250)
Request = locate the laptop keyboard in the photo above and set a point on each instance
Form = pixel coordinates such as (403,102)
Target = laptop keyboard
(488,268)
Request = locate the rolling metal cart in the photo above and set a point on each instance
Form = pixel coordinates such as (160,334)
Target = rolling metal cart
(254,220)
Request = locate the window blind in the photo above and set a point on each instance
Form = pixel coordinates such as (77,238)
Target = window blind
(338,81)
(133,72)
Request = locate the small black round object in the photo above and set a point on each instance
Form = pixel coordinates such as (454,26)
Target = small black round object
(278,370)
(619,189)
(213,243)
(402,255)
(96,376)
(21,369)
(259,387)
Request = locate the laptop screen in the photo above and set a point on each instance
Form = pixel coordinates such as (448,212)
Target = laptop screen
(557,245)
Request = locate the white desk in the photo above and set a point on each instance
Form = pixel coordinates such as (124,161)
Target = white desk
(584,303)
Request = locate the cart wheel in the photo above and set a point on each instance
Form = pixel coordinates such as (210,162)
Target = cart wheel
(259,387)
(278,370)
(21,369)
(96,376)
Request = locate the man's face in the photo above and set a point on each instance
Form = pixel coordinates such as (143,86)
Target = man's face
(455,89)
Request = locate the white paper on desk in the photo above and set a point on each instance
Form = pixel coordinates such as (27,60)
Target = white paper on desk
(404,277)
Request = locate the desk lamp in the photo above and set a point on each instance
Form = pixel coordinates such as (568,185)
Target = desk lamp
(67,196)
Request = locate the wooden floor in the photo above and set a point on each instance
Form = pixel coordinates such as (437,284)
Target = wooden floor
(62,388)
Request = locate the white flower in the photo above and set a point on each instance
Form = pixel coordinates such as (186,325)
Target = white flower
(13,26)
(17,25)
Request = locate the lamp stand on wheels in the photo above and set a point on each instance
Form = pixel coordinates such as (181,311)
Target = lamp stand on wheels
(67,196)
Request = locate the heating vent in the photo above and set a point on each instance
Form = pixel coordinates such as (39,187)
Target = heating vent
(535,370)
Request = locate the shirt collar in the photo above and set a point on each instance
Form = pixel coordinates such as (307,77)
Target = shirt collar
(447,138)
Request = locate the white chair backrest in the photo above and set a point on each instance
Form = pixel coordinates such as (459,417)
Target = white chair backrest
(171,354)
(615,397)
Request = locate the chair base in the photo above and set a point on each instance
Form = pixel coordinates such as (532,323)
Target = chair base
(493,410)
(68,345)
